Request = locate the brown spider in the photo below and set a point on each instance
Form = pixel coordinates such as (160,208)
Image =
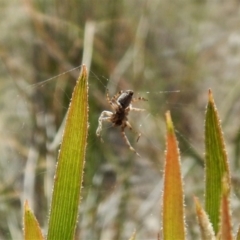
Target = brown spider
(121,106)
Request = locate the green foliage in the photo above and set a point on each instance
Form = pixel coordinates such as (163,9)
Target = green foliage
(216,163)
(69,177)
(69,173)
(158,46)
(31,229)
(216,220)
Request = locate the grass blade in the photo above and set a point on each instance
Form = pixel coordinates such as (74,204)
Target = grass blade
(206,228)
(225,225)
(216,164)
(69,173)
(173,209)
(31,225)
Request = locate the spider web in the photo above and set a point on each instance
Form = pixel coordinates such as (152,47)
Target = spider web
(146,123)
(150,124)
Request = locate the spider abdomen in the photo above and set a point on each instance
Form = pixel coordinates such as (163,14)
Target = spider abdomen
(125,98)
(119,117)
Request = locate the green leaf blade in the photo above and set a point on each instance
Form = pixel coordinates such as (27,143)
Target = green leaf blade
(32,229)
(216,163)
(69,173)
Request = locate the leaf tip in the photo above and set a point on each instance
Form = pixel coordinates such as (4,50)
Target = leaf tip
(26,205)
(84,70)
(197,204)
(205,225)
(210,96)
(169,122)
(83,74)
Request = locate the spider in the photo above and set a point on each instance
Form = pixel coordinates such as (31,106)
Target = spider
(121,106)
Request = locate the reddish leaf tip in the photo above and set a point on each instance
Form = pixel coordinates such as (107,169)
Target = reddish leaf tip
(169,121)
(197,204)
(84,70)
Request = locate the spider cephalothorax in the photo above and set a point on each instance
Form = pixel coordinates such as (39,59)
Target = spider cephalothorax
(121,106)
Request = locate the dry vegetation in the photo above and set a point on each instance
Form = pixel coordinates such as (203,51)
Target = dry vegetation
(146,46)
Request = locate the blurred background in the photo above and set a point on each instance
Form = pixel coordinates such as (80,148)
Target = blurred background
(170,52)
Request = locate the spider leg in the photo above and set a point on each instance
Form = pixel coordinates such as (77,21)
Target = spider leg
(139,99)
(113,101)
(126,139)
(107,96)
(104,117)
(115,97)
(137,109)
(130,127)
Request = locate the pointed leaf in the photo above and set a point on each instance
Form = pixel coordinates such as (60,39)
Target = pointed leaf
(69,173)
(31,225)
(216,164)
(225,225)
(173,210)
(206,228)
